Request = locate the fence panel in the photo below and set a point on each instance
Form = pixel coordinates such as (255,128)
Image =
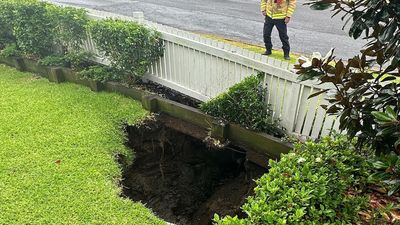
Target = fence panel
(203,68)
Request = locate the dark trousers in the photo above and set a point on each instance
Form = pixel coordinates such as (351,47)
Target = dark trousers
(282,29)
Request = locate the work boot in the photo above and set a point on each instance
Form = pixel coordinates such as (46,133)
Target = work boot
(286,57)
(267,52)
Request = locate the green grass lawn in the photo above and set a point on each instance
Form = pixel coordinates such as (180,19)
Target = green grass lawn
(57,153)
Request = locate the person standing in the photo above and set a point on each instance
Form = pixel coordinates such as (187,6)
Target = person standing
(277,13)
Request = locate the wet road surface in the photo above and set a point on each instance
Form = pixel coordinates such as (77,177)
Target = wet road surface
(309,30)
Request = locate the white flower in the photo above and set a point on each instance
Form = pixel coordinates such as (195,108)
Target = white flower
(301,160)
(304,61)
(316,55)
(318,160)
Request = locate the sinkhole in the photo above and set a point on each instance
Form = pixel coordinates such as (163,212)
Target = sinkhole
(184,181)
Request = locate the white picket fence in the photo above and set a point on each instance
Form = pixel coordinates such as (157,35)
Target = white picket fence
(203,68)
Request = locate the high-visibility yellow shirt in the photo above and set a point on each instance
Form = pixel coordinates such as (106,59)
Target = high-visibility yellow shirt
(278,9)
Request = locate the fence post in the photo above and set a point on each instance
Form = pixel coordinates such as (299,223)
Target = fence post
(139,16)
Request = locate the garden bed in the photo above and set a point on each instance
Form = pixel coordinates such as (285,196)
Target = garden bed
(260,146)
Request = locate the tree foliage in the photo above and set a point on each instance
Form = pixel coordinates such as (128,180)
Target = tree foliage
(368,82)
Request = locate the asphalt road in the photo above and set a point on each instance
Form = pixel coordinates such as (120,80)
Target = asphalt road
(309,31)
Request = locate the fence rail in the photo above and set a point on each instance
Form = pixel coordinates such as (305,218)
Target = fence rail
(203,68)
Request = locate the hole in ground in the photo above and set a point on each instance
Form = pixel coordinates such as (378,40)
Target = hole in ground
(183,181)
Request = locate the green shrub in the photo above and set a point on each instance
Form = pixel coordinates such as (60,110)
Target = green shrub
(6,17)
(79,60)
(311,185)
(69,27)
(33,28)
(130,47)
(100,73)
(74,60)
(244,104)
(387,172)
(10,51)
(317,183)
(53,60)
(40,29)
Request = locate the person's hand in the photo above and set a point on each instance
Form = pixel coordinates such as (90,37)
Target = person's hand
(264,13)
(287,20)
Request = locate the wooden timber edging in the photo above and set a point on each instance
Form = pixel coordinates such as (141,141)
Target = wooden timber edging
(259,146)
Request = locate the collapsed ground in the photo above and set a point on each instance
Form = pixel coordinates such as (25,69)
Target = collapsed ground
(183,180)
(58,145)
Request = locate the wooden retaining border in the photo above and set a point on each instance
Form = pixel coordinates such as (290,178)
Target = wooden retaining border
(259,146)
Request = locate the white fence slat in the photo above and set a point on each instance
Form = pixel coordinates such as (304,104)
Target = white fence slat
(272,86)
(278,96)
(161,67)
(319,118)
(302,110)
(284,65)
(285,89)
(209,74)
(310,117)
(173,57)
(237,73)
(203,76)
(178,64)
(327,126)
(195,76)
(168,50)
(336,124)
(264,59)
(291,105)
(187,67)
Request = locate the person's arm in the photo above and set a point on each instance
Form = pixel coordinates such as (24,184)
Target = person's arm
(291,8)
(263,7)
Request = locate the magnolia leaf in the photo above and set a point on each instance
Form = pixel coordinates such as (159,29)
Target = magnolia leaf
(380,58)
(391,113)
(381,116)
(317,93)
(339,68)
(388,78)
(386,131)
(397,143)
(321,6)
(328,55)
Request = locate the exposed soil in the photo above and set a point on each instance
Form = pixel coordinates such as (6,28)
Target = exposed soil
(182,180)
(169,93)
